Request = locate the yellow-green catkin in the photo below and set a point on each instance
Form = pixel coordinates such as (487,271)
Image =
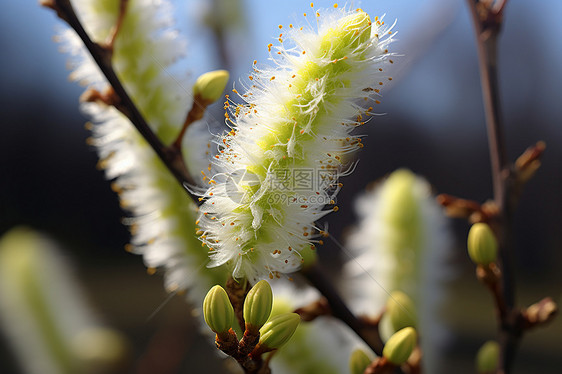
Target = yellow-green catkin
(259,216)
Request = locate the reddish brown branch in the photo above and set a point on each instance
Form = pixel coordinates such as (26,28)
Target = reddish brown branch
(380,366)
(507,180)
(118,24)
(369,333)
(490,275)
(487,22)
(237,292)
(529,162)
(314,310)
(456,207)
(196,112)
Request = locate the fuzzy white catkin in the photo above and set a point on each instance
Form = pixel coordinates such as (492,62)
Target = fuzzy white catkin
(161,215)
(278,168)
(400,243)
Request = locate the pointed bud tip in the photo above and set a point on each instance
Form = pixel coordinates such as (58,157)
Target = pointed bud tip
(400,346)
(217,310)
(359,23)
(258,304)
(347,35)
(278,330)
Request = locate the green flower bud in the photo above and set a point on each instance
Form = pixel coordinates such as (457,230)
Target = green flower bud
(358,361)
(487,357)
(482,244)
(400,311)
(278,330)
(217,310)
(400,346)
(210,86)
(258,303)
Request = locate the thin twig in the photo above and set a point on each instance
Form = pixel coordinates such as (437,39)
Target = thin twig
(237,292)
(195,114)
(120,17)
(487,18)
(370,334)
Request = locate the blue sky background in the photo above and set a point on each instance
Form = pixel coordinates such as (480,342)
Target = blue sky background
(435,37)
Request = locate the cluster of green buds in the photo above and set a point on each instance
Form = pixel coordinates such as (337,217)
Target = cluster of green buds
(262,334)
(397,350)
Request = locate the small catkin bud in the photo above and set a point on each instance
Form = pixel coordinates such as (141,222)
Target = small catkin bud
(400,346)
(218,310)
(350,33)
(258,304)
(482,244)
(278,330)
(210,86)
(400,310)
(358,361)
(487,357)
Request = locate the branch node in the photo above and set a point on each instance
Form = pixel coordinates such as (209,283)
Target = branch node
(196,112)
(380,366)
(540,313)
(108,97)
(455,207)
(314,310)
(529,162)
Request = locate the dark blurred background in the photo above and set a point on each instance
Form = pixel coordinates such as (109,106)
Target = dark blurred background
(434,125)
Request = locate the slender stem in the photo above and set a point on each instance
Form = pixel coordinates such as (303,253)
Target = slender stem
(120,17)
(237,294)
(195,114)
(370,335)
(102,56)
(487,17)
